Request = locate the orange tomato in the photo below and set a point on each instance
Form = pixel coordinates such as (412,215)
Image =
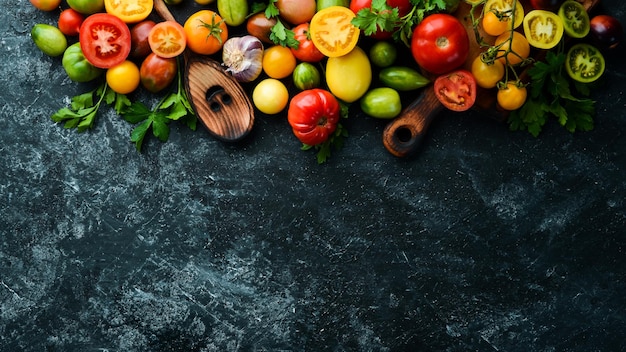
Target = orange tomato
(278,61)
(332,31)
(206,32)
(512,96)
(46,5)
(514,49)
(492,25)
(167,39)
(129,11)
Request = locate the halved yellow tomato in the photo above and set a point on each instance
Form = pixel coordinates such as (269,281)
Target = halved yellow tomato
(129,11)
(506,7)
(543,29)
(332,31)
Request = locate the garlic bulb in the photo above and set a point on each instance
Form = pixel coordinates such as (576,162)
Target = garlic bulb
(243,57)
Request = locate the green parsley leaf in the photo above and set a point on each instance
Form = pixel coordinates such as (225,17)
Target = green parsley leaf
(281,35)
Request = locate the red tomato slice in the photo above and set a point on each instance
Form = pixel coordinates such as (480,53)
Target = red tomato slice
(105,40)
(456,90)
(167,39)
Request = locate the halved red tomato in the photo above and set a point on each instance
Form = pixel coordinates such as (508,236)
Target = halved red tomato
(105,40)
(332,31)
(456,90)
(129,11)
(167,39)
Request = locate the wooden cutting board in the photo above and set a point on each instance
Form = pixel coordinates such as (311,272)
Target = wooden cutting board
(403,135)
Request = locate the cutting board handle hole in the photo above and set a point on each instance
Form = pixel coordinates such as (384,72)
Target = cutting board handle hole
(216,96)
(403,134)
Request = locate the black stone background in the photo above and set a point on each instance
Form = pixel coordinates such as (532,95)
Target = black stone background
(487,240)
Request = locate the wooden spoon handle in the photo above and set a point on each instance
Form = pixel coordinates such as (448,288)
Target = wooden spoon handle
(161,8)
(403,136)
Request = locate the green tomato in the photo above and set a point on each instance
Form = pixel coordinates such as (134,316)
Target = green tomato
(233,12)
(349,76)
(381,103)
(49,39)
(77,67)
(322,4)
(87,7)
(306,76)
(402,78)
(383,54)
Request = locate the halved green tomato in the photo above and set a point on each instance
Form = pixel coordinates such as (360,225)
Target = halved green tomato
(575,19)
(543,29)
(584,63)
(505,7)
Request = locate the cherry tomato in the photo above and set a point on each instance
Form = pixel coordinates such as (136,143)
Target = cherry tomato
(584,63)
(260,26)
(167,39)
(86,7)
(549,5)
(543,29)
(456,90)
(270,96)
(157,73)
(306,51)
(278,61)
(46,5)
(487,75)
(383,54)
(313,115)
(123,78)
(505,7)
(105,40)
(332,31)
(512,96)
(206,32)
(440,43)
(70,21)
(514,49)
(296,11)
(606,31)
(492,25)
(139,42)
(129,11)
(575,19)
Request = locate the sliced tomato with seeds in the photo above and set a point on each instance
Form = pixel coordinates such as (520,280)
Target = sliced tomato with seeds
(105,40)
(332,31)
(456,90)
(543,29)
(167,39)
(129,11)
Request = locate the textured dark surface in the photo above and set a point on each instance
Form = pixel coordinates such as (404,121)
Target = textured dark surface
(487,240)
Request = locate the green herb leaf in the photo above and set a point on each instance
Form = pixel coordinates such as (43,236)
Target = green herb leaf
(280,35)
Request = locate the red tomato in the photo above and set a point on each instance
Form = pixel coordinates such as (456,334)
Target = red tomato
(440,43)
(404,6)
(70,21)
(157,73)
(260,26)
(456,90)
(307,51)
(139,44)
(313,115)
(105,40)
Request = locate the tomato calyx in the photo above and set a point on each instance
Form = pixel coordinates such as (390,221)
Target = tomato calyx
(214,28)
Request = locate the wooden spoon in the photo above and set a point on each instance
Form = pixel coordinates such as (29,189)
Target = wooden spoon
(217,98)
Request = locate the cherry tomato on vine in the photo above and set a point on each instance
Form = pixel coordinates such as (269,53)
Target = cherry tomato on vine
(493,25)
(129,11)
(487,74)
(575,19)
(440,43)
(105,40)
(313,115)
(505,7)
(332,31)
(514,49)
(584,63)
(456,90)
(206,32)
(512,96)
(543,29)
(70,21)
(306,51)
(167,39)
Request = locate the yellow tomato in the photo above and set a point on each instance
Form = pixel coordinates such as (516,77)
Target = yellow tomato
(487,75)
(349,76)
(123,78)
(278,62)
(204,2)
(505,7)
(512,97)
(514,49)
(270,96)
(492,25)
(129,11)
(332,31)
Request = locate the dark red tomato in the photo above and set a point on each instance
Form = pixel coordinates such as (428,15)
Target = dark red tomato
(404,6)
(157,73)
(139,45)
(105,40)
(456,90)
(606,31)
(549,5)
(440,43)
(306,51)
(70,21)
(260,26)
(313,115)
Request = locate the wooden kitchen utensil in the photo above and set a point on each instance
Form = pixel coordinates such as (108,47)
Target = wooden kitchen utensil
(218,99)
(403,136)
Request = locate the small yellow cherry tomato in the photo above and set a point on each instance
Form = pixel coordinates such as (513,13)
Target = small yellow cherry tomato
(512,96)
(278,61)
(270,96)
(487,74)
(123,78)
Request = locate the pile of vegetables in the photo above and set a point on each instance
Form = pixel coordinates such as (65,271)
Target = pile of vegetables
(314,60)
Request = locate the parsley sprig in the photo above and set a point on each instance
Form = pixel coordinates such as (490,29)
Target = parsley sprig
(279,33)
